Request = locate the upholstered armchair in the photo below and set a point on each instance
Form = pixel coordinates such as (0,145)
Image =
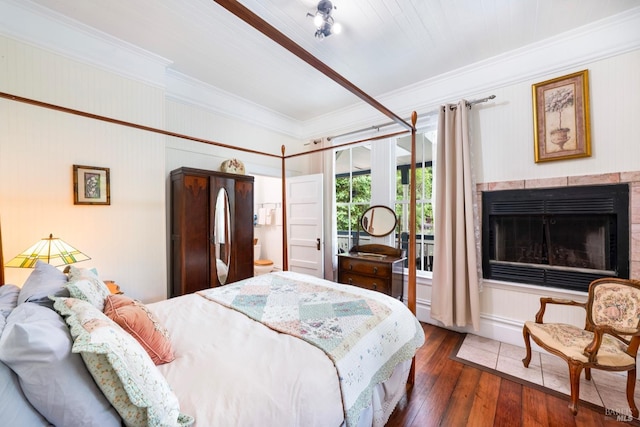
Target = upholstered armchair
(609,340)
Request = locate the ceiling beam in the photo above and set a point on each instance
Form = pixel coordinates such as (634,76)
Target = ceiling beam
(240,11)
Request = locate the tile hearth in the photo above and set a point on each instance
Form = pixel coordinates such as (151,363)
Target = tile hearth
(606,389)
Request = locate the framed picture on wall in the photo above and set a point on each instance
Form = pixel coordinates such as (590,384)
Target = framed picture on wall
(561,118)
(91,185)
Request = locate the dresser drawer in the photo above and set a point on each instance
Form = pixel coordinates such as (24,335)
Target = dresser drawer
(379,284)
(365,267)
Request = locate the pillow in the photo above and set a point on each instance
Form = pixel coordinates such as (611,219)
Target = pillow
(86,285)
(43,281)
(8,299)
(14,406)
(36,345)
(121,367)
(136,319)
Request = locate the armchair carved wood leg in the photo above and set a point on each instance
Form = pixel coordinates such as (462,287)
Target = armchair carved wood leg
(587,374)
(631,387)
(574,378)
(527,344)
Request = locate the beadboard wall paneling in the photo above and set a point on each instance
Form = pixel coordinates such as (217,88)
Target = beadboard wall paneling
(202,122)
(39,147)
(504,129)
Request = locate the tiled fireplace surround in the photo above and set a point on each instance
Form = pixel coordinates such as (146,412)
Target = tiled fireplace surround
(633,178)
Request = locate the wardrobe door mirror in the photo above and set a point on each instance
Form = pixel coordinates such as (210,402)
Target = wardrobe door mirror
(222,236)
(378,221)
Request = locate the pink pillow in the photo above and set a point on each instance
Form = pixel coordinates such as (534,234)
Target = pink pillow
(141,324)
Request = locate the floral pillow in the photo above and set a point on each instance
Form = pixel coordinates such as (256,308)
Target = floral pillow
(86,285)
(121,367)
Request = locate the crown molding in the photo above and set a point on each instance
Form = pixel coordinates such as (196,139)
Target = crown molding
(56,33)
(183,88)
(61,35)
(603,39)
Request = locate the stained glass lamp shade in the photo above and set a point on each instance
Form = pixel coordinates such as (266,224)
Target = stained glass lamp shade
(51,250)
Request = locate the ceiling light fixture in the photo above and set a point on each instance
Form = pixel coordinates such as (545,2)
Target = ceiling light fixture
(324,22)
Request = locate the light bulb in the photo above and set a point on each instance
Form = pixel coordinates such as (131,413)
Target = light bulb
(318,21)
(336,29)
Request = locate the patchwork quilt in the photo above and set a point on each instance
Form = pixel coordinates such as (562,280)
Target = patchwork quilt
(365,333)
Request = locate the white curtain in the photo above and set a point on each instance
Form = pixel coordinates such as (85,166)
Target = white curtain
(455,292)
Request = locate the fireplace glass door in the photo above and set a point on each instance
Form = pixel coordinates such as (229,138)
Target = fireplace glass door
(563,241)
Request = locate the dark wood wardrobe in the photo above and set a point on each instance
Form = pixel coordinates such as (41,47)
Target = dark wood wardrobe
(197,243)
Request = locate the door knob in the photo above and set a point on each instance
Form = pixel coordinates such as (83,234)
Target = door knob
(318,243)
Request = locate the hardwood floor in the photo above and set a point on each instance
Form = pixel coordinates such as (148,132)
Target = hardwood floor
(449,393)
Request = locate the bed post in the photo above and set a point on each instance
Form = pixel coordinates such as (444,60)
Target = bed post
(285,254)
(1,260)
(411,285)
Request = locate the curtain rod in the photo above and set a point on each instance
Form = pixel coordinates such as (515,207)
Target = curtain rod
(430,113)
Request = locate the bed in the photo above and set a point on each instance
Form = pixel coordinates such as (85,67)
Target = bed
(281,349)
(202,359)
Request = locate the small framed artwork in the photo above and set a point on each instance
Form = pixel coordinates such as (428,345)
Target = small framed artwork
(91,185)
(561,118)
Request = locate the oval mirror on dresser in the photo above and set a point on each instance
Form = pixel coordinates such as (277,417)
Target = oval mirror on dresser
(222,236)
(378,221)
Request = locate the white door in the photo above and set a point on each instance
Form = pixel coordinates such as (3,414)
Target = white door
(304,224)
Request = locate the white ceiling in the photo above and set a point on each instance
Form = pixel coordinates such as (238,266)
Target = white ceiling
(385,45)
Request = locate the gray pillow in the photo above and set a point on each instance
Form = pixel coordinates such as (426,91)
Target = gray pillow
(36,345)
(14,406)
(45,280)
(8,298)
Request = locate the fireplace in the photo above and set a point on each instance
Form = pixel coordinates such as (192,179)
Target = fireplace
(559,237)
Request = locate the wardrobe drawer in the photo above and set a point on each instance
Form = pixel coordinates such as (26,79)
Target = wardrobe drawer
(360,266)
(379,284)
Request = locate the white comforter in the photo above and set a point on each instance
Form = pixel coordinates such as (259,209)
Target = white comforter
(232,371)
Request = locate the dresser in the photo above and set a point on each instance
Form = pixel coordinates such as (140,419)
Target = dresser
(370,270)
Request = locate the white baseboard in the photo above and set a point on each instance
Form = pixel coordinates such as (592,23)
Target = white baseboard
(491,327)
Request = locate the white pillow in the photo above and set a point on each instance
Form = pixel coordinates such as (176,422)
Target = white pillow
(121,367)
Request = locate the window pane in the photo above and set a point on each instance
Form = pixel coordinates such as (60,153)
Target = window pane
(424,190)
(361,188)
(343,190)
(353,191)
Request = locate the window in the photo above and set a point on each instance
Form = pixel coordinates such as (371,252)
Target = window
(353,191)
(424,196)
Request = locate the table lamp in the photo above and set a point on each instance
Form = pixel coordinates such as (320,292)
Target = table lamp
(52,250)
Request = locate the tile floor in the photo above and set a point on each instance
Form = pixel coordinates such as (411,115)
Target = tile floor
(606,389)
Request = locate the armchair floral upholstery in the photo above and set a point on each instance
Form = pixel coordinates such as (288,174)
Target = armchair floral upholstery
(609,341)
